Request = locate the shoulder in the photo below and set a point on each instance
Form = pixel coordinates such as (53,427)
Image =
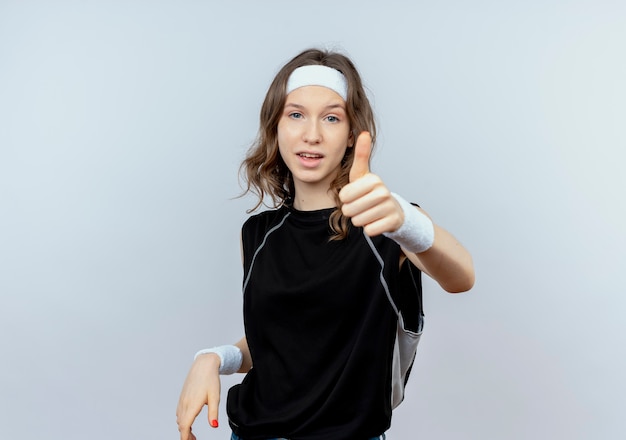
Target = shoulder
(257,225)
(265,219)
(255,229)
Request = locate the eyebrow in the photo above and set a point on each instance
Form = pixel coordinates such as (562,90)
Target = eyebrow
(328,107)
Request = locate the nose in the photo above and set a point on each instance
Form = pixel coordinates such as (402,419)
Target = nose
(312,133)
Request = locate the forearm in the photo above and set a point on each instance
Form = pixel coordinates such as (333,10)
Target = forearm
(246,363)
(447,261)
(370,204)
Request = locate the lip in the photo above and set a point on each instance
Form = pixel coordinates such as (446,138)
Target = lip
(309,159)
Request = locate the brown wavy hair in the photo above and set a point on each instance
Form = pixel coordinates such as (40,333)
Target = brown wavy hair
(263,169)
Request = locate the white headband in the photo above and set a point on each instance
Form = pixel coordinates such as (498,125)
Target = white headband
(316,75)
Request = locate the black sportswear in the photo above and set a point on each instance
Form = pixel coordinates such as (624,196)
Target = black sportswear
(321,320)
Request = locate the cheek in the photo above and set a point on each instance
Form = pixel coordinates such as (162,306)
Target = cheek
(282,143)
(284,132)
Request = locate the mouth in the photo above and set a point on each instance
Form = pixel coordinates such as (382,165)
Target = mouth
(310,155)
(309,160)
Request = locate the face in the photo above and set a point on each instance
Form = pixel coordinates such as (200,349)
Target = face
(313,134)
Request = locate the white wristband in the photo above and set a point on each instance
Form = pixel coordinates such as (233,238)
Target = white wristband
(230,357)
(417,233)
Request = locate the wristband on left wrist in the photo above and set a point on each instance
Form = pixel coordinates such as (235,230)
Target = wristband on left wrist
(417,232)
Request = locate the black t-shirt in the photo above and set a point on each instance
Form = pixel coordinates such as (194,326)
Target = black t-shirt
(321,328)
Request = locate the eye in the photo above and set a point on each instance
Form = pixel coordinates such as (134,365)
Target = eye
(332,118)
(295,115)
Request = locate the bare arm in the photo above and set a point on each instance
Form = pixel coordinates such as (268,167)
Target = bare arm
(447,262)
(202,387)
(370,204)
(246,363)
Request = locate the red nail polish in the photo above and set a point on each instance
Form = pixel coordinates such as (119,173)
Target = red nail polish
(214,423)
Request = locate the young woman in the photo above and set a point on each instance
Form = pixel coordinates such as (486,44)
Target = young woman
(332,290)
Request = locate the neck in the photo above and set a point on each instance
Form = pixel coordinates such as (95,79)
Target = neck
(310,199)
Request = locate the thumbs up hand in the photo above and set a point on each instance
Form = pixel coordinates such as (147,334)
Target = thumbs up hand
(366,199)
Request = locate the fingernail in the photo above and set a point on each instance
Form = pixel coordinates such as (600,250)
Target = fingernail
(214,423)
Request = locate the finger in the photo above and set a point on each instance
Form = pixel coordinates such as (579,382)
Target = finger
(184,427)
(213,402)
(368,190)
(185,416)
(188,435)
(185,433)
(362,151)
(379,226)
(361,216)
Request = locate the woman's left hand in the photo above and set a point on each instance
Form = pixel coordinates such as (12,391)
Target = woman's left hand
(366,199)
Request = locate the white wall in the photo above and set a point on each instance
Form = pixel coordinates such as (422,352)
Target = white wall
(122,125)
